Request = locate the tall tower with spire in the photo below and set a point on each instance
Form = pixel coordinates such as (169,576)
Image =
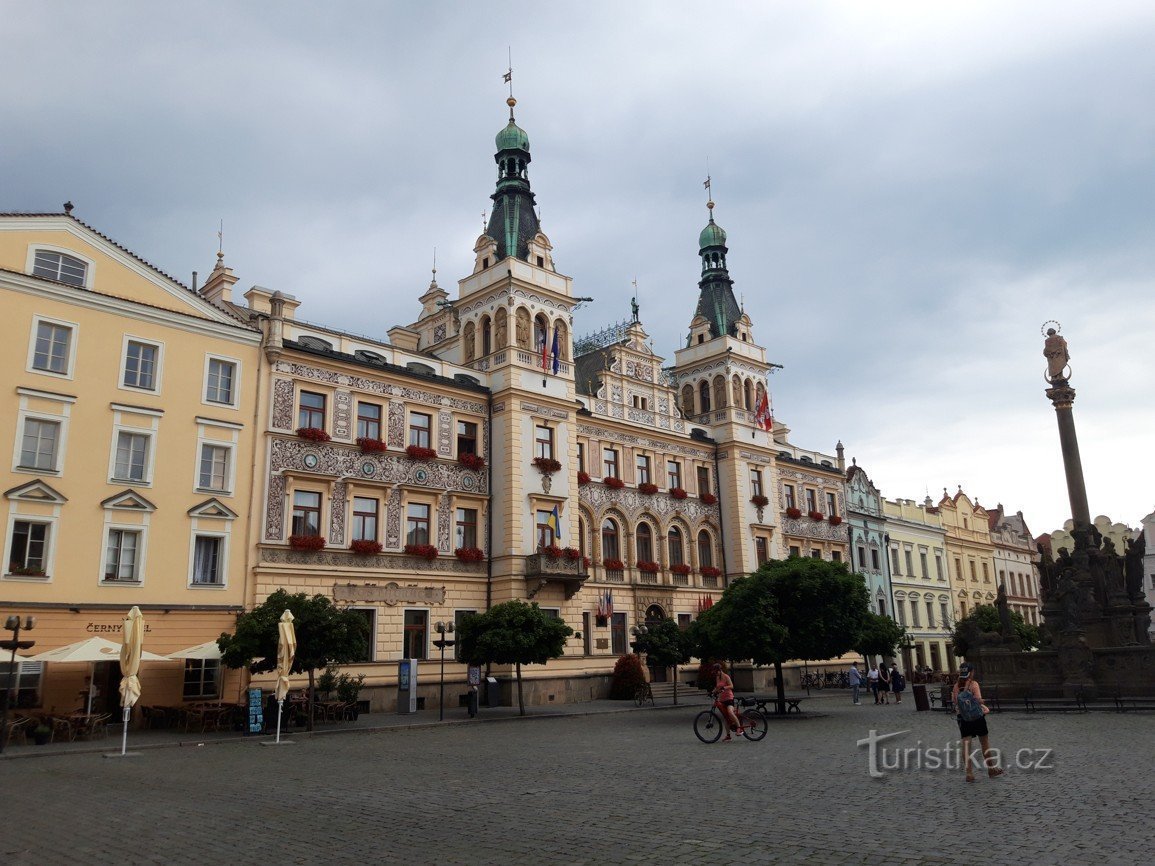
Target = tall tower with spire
(513,222)
(716,303)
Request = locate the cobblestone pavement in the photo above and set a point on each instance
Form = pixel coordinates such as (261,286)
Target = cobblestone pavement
(627,787)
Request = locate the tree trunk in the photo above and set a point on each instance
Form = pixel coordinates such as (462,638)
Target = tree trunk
(520,700)
(312,697)
(675,685)
(780,687)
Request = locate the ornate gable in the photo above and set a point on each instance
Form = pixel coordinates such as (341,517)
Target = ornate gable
(129,500)
(36,491)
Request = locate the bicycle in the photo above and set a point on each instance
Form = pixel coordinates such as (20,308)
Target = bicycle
(642,694)
(709,724)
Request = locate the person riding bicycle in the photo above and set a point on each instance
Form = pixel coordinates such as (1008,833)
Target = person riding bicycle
(724,694)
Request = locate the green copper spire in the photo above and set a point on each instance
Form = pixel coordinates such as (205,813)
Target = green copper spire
(513,222)
(716,299)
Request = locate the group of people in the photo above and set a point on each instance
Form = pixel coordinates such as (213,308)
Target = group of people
(882,682)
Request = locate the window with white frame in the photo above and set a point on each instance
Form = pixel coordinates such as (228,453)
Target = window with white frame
(60,267)
(27,683)
(28,548)
(122,556)
(131,462)
(141,365)
(52,348)
(214,467)
(202,678)
(39,445)
(208,560)
(221,381)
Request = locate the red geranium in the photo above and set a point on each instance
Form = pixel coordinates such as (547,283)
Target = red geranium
(816,515)
(551,550)
(583,478)
(369,445)
(613,564)
(469,554)
(647,566)
(647,488)
(678,493)
(307,542)
(710,571)
(793,513)
(572,553)
(709,498)
(680,569)
(546,465)
(365,547)
(425,551)
(313,434)
(471,461)
(835,520)
(614,483)
(416,452)
(760,501)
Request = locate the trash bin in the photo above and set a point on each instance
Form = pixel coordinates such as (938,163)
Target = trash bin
(492,692)
(921,701)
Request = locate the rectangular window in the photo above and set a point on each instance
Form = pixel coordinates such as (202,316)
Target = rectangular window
(945,618)
(609,463)
(466,438)
(370,615)
(756,482)
(704,480)
(207,560)
(545,535)
(311,410)
(459,617)
(930,614)
(131,456)
(140,360)
(587,634)
(26,681)
(543,441)
(417,524)
(618,634)
(365,509)
(938,566)
(28,552)
(894,562)
(39,443)
(958,568)
(53,345)
(788,490)
(900,609)
(874,560)
(420,429)
(306,513)
(986,574)
(59,267)
(861,557)
(795,550)
(831,505)
(368,421)
(908,557)
(120,562)
(971,563)
(673,474)
(643,469)
(761,552)
(214,470)
(922,564)
(466,527)
(220,386)
(581,457)
(836,556)
(811,500)
(684,620)
(201,678)
(815,553)
(914,614)
(415,635)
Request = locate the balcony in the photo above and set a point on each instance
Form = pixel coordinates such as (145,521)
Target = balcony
(541,569)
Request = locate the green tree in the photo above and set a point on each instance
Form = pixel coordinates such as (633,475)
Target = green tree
(968,632)
(325,634)
(797,608)
(666,645)
(512,633)
(880,635)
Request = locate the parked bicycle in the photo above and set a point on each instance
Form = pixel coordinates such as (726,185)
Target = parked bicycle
(642,694)
(710,724)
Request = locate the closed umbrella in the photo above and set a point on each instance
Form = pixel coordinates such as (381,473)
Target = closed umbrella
(130,652)
(286,650)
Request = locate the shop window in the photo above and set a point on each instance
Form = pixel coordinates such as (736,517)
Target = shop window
(415,635)
(202,678)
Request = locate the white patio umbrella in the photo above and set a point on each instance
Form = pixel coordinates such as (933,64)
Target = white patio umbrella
(91,650)
(206,651)
(286,650)
(130,651)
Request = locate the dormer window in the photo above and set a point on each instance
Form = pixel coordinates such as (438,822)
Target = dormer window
(540,262)
(59,267)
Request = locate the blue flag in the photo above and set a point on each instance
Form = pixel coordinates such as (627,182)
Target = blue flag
(556,355)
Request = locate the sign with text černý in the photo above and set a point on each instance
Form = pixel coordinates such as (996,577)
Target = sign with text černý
(391,593)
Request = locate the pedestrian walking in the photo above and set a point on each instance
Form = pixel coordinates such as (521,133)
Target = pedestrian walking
(897,682)
(972,720)
(884,683)
(872,678)
(855,682)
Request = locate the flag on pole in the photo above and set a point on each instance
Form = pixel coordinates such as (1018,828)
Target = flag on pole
(555,353)
(545,349)
(764,415)
(554,523)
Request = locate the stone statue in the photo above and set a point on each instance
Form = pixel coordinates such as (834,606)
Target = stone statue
(1136,548)
(1067,595)
(467,339)
(1006,627)
(500,329)
(634,308)
(522,328)
(1055,351)
(1048,573)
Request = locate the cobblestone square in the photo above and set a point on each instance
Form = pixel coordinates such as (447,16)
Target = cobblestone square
(632,787)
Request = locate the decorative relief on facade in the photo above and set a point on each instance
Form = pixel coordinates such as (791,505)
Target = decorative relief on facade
(393,520)
(642,442)
(633,505)
(752,457)
(478,304)
(548,303)
(547,411)
(337,514)
(444,519)
(680,426)
(384,561)
(444,434)
(617,411)
(295,456)
(498,407)
(282,418)
(342,412)
(615,393)
(664,422)
(275,510)
(642,417)
(640,370)
(438,333)
(379,387)
(600,407)
(395,432)
(663,406)
(484,445)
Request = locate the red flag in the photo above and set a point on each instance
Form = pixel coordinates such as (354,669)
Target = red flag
(545,350)
(763,416)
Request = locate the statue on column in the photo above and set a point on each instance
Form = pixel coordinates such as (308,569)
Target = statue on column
(1055,351)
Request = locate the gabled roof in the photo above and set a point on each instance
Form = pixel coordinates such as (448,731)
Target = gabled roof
(36,491)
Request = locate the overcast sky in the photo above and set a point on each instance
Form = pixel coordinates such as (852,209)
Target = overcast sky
(910,189)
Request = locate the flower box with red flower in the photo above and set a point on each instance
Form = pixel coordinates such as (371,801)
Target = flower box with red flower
(572,553)
(313,434)
(425,551)
(613,565)
(678,493)
(586,561)
(793,513)
(816,515)
(835,520)
(307,542)
(759,501)
(369,445)
(681,568)
(471,461)
(469,554)
(365,547)
(647,489)
(546,465)
(583,479)
(647,566)
(614,483)
(17,570)
(708,498)
(551,550)
(416,452)
(711,571)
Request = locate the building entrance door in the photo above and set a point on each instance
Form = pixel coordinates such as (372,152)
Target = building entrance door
(654,616)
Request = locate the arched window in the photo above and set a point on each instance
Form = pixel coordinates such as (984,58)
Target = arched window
(687,400)
(540,332)
(644,551)
(611,548)
(705,549)
(761,389)
(486,336)
(704,396)
(677,553)
(748,396)
(719,392)
(582,536)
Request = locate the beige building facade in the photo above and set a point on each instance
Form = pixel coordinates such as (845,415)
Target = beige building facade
(970,552)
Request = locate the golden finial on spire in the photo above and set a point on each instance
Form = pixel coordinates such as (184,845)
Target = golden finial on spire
(508,79)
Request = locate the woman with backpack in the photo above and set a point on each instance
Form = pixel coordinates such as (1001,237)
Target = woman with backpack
(972,720)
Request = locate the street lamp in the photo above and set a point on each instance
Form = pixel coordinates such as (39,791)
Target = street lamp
(13,624)
(443,629)
(639,632)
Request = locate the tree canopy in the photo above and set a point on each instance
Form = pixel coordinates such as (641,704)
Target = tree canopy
(665,644)
(880,635)
(984,619)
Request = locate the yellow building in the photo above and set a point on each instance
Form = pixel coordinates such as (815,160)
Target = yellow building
(970,552)
(129,427)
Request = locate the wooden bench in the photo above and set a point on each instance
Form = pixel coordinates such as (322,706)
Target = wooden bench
(768,704)
(1035,703)
(1124,703)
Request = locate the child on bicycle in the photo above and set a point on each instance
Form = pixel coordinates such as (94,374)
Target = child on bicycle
(724,694)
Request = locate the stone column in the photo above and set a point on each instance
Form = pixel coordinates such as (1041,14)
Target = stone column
(1062,396)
